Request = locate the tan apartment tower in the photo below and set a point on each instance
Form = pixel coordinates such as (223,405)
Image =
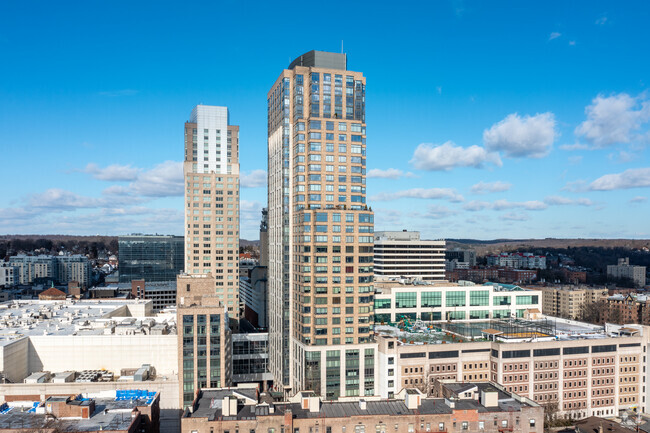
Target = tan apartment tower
(320,230)
(211,171)
(204,338)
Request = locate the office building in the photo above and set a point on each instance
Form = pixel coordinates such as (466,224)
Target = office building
(320,230)
(404,255)
(401,300)
(624,270)
(211,170)
(152,258)
(463,257)
(204,338)
(469,407)
(569,301)
(583,369)
(161,293)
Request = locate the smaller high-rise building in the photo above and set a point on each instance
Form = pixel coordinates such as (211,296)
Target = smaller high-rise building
(569,301)
(204,338)
(150,257)
(404,255)
(624,270)
(8,275)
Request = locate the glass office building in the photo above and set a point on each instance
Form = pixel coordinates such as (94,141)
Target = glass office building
(150,257)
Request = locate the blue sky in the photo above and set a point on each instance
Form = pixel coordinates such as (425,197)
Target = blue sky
(485,119)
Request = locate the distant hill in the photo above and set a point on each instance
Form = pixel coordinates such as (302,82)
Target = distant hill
(501,245)
(246,243)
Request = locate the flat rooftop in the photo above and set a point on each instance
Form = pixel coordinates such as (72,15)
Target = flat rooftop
(94,317)
(508,330)
(111,413)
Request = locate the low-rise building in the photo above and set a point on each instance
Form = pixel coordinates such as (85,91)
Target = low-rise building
(470,407)
(517,260)
(417,300)
(126,411)
(583,369)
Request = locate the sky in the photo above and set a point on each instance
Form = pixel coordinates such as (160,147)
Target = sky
(485,119)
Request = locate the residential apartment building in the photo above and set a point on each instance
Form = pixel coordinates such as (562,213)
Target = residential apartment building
(517,260)
(74,268)
(320,230)
(45,268)
(211,170)
(8,274)
(152,258)
(469,407)
(395,301)
(584,369)
(462,257)
(404,255)
(252,295)
(569,301)
(502,275)
(204,337)
(624,270)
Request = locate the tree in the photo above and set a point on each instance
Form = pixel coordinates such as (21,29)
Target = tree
(593,312)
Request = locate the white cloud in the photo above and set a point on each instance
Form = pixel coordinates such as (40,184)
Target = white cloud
(389,173)
(614,119)
(254,179)
(112,173)
(522,137)
(475,205)
(164,180)
(576,146)
(56,198)
(447,156)
(487,187)
(421,193)
(632,178)
(575,186)
(638,199)
(556,200)
(440,212)
(514,216)
(554,35)
(572,43)
(601,21)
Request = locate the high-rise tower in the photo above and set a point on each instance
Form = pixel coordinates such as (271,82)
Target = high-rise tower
(211,172)
(320,230)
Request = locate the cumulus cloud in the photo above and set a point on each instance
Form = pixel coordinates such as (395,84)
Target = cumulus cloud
(614,119)
(389,173)
(522,137)
(421,193)
(448,155)
(164,180)
(112,173)
(632,178)
(254,179)
(487,187)
(554,35)
(556,200)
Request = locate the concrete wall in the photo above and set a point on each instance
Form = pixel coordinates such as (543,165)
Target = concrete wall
(13,362)
(113,352)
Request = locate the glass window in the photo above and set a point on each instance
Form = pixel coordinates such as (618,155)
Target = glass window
(479,298)
(405,299)
(501,300)
(455,299)
(431,299)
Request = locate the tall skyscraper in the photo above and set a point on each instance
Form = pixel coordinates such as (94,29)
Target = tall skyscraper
(320,230)
(211,171)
